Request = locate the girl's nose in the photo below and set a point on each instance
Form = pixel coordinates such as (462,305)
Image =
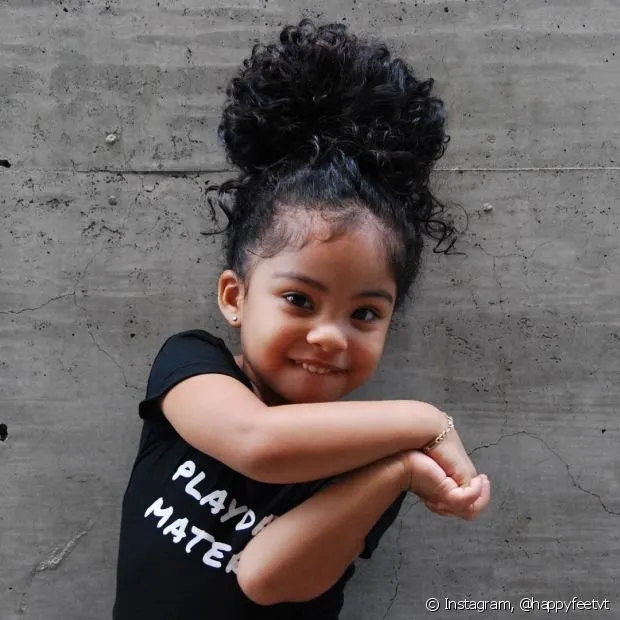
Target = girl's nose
(328,336)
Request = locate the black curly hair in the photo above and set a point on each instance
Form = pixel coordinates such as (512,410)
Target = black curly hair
(326,124)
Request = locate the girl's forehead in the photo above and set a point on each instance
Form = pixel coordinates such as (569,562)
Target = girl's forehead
(352,258)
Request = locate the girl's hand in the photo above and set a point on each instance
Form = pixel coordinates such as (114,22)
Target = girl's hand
(440,493)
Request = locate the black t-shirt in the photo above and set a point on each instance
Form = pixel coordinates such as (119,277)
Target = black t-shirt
(186,517)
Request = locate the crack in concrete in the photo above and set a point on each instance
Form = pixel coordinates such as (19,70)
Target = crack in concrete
(494,256)
(411,504)
(60,552)
(49,301)
(88,324)
(570,474)
(74,294)
(84,312)
(109,356)
(88,327)
(53,560)
(489,445)
(396,572)
(502,388)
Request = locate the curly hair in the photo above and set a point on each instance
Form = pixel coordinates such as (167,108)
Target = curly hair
(323,123)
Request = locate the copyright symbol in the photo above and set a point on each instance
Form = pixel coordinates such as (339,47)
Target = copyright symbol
(432,604)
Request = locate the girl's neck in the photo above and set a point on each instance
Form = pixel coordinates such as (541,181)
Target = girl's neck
(270,399)
(239,360)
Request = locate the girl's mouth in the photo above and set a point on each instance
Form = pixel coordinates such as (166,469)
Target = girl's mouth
(316,370)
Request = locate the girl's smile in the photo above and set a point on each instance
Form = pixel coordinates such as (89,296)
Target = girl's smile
(318,369)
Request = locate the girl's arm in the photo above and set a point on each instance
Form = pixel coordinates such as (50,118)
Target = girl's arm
(284,444)
(304,552)
(316,440)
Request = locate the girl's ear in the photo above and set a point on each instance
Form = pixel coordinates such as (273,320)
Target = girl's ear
(230,297)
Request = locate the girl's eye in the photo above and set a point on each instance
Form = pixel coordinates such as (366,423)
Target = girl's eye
(295,298)
(373,314)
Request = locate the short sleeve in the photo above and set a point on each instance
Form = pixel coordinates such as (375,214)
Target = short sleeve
(381,526)
(184,355)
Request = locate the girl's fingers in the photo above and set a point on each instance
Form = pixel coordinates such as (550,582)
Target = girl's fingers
(481,503)
(462,497)
(485,497)
(464,502)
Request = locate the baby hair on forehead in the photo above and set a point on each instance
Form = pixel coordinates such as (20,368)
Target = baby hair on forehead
(326,128)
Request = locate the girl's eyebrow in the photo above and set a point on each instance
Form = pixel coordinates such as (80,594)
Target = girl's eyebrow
(321,287)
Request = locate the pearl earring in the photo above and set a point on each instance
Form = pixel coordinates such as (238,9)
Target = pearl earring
(234,318)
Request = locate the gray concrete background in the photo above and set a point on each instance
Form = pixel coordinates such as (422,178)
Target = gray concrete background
(518,339)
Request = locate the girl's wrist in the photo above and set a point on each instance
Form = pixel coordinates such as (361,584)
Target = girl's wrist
(393,468)
(398,470)
(430,422)
(449,425)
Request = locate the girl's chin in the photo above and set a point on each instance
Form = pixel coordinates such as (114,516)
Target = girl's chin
(301,394)
(306,387)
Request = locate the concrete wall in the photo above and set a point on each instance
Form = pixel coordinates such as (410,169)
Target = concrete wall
(102,259)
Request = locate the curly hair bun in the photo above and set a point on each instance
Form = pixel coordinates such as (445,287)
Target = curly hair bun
(321,90)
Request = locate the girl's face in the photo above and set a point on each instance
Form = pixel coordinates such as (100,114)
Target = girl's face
(328,305)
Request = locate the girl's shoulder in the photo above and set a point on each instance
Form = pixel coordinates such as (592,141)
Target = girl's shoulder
(183,355)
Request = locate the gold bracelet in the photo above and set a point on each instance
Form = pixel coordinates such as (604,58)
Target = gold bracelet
(429,446)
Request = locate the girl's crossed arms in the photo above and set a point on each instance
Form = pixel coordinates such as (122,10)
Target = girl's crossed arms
(305,551)
(375,444)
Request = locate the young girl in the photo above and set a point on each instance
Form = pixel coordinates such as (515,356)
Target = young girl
(256,487)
